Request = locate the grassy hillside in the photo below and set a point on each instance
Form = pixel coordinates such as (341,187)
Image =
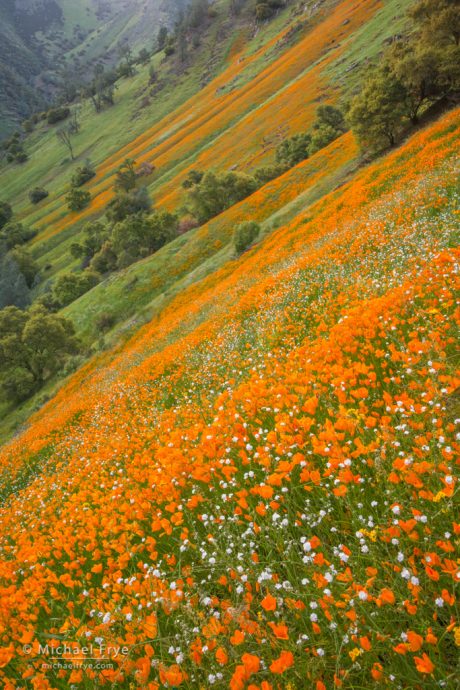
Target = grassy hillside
(267,84)
(207,130)
(264,441)
(41,38)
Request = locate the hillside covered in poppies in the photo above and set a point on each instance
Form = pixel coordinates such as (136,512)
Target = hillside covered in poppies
(238,467)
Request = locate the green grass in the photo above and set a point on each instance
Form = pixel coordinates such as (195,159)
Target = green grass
(140,291)
(365,44)
(81,13)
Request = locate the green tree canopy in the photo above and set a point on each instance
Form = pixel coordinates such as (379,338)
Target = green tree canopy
(265,9)
(14,234)
(6,213)
(416,71)
(95,234)
(439,21)
(37,194)
(126,178)
(377,112)
(331,116)
(33,346)
(77,199)
(217,192)
(83,174)
(70,286)
(267,173)
(14,290)
(294,150)
(26,264)
(162,37)
(126,204)
(244,235)
(141,235)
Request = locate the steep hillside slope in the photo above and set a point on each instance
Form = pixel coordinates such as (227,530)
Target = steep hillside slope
(250,96)
(18,63)
(38,38)
(268,88)
(258,484)
(243,88)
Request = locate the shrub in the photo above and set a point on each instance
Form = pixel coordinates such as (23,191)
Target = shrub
(33,346)
(268,173)
(57,115)
(294,150)
(72,364)
(77,199)
(265,9)
(14,149)
(83,174)
(13,286)
(125,178)
(332,116)
(21,156)
(37,194)
(105,321)
(193,178)
(26,264)
(14,234)
(126,204)
(329,125)
(71,286)
(18,384)
(217,192)
(244,235)
(96,233)
(141,235)
(322,137)
(6,213)
(105,260)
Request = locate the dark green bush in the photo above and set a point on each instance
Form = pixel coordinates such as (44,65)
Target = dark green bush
(77,199)
(265,9)
(244,235)
(71,286)
(14,234)
(105,321)
(294,150)
(6,213)
(57,115)
(217,192)
(83,174)
(34,345)
(270,172)
(38,194)
(126,204)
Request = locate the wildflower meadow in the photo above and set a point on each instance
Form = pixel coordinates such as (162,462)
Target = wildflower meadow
(259,489)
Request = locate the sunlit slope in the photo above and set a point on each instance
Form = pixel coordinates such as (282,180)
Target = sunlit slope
(264,474)
(149,283)
(239,117)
